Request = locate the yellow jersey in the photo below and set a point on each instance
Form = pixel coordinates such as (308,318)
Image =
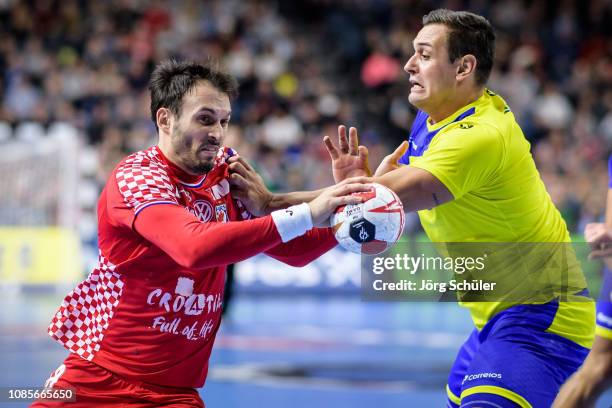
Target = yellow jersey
(481,155)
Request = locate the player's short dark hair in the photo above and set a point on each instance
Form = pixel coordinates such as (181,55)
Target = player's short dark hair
(172,79)
(468,33)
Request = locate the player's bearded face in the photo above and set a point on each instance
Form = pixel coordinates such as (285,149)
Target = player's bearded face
(432,75)
(198,134)
(195,156)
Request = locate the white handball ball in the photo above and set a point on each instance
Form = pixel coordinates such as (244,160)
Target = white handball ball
(372,226)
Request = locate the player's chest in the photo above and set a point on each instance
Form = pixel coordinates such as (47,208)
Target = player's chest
(210,202)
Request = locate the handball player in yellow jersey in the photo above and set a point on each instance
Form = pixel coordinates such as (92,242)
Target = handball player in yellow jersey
(468,171)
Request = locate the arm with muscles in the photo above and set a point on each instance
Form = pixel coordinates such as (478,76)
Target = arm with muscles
(418,189)
(188,241)
(446,171)
(349,159)
(452,166)
(305,249)
(595,375)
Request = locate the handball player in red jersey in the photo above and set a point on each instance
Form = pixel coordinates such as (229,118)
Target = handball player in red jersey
(141,326)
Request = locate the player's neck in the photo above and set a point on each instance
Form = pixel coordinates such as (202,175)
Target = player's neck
(462,98)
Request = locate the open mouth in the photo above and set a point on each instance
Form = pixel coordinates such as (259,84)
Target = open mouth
(209,148)
(415,86)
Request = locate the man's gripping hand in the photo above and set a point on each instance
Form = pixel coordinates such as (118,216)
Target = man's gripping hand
(248,187)
(332,197)
(350,159)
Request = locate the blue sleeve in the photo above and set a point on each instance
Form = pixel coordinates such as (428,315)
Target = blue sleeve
(405,159)
(604,304)
(610,171)
(418,122)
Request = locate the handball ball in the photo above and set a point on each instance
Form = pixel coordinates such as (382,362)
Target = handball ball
(372,226)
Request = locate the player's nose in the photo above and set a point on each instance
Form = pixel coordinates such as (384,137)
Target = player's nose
(216,132)
(410,67)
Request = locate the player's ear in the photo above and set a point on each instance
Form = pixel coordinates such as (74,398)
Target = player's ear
(163,117)
(466,66)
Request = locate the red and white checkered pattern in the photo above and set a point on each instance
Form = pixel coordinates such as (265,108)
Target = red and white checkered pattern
(86,311)
(143,179)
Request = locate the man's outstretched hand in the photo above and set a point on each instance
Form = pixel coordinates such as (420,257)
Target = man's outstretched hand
(350,159)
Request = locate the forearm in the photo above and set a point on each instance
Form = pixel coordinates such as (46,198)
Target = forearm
(597,368)
(197,245)
(305,249)
(284,200)
(416,188)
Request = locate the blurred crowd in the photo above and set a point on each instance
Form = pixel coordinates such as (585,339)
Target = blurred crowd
(304,67)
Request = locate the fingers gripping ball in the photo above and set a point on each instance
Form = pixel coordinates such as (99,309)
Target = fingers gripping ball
(371,226)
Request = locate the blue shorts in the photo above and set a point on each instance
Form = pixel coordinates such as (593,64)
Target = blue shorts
(513,361)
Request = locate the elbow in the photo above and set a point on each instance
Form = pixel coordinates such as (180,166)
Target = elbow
(298,263)
(187,263)
(202,258)
(188,259)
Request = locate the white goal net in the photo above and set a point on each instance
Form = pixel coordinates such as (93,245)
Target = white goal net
(38,181)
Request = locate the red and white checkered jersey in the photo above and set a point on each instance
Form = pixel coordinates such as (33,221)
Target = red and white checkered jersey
(152,307)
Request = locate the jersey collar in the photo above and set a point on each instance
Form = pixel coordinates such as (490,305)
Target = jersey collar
(453,117)
(186,179)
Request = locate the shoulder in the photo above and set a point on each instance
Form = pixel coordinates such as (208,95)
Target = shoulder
(143,167)
(472,131)
(495,111)
(469,139)
(143,177)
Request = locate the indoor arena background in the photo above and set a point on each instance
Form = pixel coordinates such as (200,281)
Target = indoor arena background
(73,102)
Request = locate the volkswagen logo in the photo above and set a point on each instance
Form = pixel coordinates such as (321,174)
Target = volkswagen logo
(203,210)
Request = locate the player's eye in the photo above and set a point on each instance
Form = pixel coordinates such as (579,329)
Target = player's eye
(425,56)
(206,120)
(225,123)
